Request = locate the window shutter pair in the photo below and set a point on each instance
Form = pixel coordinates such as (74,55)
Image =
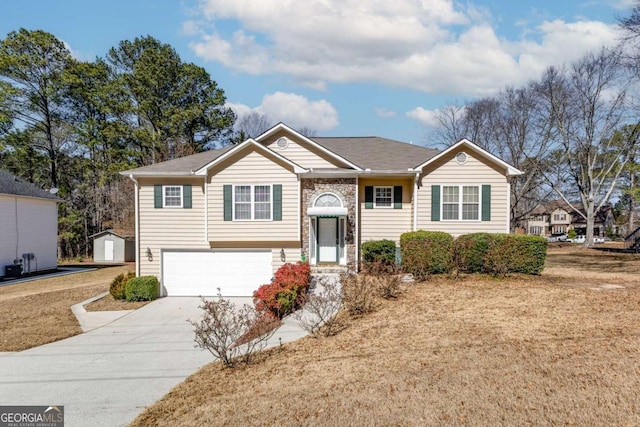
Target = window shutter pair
(228,202)
(397,197)
(485,213)
(186,196)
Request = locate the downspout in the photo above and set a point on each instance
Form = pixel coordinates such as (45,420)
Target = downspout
(206,208)
(357,231)
(300,216)
(137,224)
(415,202)
(508,206)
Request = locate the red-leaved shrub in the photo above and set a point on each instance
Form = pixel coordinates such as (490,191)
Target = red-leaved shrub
(283,295)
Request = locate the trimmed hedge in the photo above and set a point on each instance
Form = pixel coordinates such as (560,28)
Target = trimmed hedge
(379,256)
(426,252)
(379,250)
(143,288)
(517,253)
(117,286)
(470,251)
(500,254)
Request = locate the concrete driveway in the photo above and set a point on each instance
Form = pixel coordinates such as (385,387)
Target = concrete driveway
(107,376)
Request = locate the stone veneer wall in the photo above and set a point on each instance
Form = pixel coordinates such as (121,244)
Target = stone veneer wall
(345,189)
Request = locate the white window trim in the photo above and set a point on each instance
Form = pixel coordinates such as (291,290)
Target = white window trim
(164,197)
(375,203)
(460,203)
(253,212)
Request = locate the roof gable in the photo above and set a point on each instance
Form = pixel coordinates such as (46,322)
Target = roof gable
(281,127)
(12,185)
(508,169)
(239,148)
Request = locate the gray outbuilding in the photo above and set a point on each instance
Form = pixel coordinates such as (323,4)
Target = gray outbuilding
(109,246)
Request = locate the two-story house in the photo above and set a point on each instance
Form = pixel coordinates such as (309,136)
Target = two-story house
(228,218)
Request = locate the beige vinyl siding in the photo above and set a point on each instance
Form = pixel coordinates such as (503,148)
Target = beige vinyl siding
(253,168)
(475,171)
(292,255)
(169,228)
(385,223)
(303,154)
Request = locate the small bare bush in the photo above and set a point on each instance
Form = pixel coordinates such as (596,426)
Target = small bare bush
(389,287)
(321,306)
(358,293)
(223,324)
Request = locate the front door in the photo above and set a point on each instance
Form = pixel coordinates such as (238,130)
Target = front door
(328,240)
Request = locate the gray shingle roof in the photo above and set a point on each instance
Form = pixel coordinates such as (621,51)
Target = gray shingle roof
(11,184)
(181,165)
(370,152)
(375,153)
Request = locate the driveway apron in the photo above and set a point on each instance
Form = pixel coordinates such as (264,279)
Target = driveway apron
(107,376)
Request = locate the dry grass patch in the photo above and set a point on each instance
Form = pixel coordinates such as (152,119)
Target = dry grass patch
(38,312)
(474,351)
(108,303)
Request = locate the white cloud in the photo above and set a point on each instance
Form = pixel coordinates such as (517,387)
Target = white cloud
(435,46)
(432,118)
(426,117)
(622,4)
(295,110)
(383,112)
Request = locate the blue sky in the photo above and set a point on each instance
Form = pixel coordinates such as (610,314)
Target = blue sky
(342,67)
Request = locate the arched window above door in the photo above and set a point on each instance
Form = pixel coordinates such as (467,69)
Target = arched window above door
(327,200)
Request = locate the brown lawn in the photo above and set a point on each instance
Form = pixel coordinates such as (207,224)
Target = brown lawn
(38,312)
(551,350)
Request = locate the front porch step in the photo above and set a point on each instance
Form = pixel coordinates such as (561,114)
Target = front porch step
(328,269)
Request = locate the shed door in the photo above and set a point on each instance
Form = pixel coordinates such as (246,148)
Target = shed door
(108,250)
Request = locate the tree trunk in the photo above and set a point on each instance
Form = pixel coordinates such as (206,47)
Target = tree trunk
(590,224)
(632,205)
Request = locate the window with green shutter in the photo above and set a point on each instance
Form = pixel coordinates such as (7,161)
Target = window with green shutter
(172,196)
(252,202)
(460,202)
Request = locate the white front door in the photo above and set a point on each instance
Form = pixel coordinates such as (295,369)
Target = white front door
(328,240)
(108,250)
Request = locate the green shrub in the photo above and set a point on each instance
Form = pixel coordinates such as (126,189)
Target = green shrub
(117,287)
(377,250)
(426,252)
(379,256)
(515,253)
(571,234)
(143,288)
(470,251)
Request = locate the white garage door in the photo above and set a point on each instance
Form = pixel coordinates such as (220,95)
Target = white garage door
(236,273)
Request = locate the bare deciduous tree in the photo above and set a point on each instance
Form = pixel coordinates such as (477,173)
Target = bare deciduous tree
(586,105)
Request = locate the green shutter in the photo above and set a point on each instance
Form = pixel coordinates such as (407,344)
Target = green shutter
(397,197)
(157,196)
(368,197)
(277,202)
(435,203)
(227,202)
(486,203)
(186,196)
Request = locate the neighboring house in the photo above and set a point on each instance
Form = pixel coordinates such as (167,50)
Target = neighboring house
(109,246)
(229,218)
(556,216)
(28,227)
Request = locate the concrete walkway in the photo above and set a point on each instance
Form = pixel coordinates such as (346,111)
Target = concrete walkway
(107,376)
